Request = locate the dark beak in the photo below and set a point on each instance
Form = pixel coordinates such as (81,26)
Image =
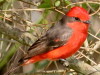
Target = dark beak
(87,22)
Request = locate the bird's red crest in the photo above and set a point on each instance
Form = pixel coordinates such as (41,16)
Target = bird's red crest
(78,12)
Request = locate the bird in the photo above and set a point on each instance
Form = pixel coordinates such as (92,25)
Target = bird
(63,39)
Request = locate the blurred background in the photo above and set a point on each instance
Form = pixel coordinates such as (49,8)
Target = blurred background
(22,22)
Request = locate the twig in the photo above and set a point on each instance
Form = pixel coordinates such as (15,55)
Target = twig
(82,67)
(30,3)
(97,45)
(91,49)
(59,11)
(94,36)
(7,40)
(85,2)
(51,71)
(6,18)
(26,9)
(42,72)
(97,32)
(81,3)
(23,51)
(14,33)
(87,58)
(75,64)
(96,11)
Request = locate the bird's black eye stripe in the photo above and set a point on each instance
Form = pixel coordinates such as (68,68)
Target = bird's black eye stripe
(76,18)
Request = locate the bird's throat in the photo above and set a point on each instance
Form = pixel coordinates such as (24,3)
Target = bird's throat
(78,26)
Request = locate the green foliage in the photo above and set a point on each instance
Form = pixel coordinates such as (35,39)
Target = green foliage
(62,3)
(6,4)
(95,6)
(1,0)
(8,54)
(84,5)
(67,2)
(46,4)
(44,20)
(57,3)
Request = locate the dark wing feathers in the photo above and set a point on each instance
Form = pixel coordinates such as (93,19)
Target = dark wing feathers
(60,31)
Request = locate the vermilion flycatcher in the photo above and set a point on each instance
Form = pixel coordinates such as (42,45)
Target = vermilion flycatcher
(63,39)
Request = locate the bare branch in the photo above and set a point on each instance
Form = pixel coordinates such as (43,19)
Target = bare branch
(82,67)
(14,33)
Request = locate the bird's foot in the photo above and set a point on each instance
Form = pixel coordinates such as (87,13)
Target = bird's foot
(64,62)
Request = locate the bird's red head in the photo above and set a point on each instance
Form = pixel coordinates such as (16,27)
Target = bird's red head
(80,19)
(79,12)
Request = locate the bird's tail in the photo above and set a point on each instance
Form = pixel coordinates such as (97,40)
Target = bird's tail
(33,60)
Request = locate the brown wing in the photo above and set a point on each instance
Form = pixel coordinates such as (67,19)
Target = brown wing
(55,37)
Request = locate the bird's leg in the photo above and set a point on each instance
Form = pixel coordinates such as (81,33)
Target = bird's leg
(64,62)
(48,65)
(55,62)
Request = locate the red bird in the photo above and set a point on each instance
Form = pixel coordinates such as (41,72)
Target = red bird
(63,39)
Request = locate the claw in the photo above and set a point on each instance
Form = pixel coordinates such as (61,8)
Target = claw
(64,62)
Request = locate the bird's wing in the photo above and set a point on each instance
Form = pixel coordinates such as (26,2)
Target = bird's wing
(55,37)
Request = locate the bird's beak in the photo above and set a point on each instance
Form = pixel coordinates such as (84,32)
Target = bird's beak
(87,22)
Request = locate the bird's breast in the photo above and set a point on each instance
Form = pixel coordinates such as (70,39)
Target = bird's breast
(71,46)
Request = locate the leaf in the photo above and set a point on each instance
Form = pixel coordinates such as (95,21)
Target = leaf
(94,6)
(1,0)
(67,2)
(84,5)
(47,1)
(8,55)
(57,3)
(45,4)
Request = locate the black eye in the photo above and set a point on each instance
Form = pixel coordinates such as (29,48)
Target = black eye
(76,18)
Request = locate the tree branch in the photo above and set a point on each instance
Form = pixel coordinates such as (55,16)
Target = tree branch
(82,67)
(15,33)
